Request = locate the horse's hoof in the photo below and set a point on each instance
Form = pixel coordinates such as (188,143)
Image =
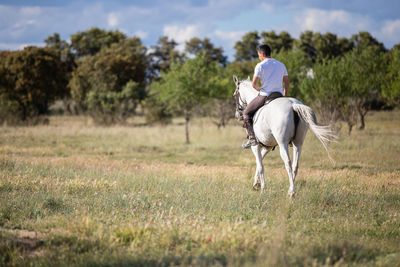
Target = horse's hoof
(292,194)
(256,186)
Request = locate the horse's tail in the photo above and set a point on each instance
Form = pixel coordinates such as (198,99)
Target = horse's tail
(324,133)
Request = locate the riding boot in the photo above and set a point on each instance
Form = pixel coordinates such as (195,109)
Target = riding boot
(248,124)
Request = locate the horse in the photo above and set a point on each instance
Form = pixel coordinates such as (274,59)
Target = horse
(282,122)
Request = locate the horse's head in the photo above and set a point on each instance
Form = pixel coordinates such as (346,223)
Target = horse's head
(244,93)
(238,100)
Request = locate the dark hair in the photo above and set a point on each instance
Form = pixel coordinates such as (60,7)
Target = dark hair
(264,48)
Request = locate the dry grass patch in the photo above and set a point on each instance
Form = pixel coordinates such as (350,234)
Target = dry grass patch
(138,196)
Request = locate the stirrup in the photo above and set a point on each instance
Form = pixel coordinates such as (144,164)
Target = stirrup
(249,144)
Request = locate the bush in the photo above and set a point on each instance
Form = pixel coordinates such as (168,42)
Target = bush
(30,80)
(110,84)
(156,111)
(112,107)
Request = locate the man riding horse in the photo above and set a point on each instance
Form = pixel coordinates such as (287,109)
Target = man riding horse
(283,122)
(270,73)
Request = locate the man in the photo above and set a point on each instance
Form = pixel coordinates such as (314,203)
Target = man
(270,73)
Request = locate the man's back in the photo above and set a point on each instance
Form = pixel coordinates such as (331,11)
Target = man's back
(271,72)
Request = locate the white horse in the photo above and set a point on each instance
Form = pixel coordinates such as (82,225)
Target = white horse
(274,124)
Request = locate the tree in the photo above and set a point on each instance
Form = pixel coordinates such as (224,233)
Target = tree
(297,66)
(110,84)
(326,45)
(391,92)
(242,69)
(195,46)
(345,46)
(368,77)
(63,49)
(163,55)
(283,41)
(90,42)
(156,111)
(54,41)
(220,102)
(346,88)
(305,44)
(185,87)
(396,47)
(319,46)
(246,49)
(328,89)
(30,81)
(109,107)
(363,40)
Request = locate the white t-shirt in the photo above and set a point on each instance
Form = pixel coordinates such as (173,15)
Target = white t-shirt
(271,72)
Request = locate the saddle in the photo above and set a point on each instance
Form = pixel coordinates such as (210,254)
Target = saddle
(271,97)
(268,99)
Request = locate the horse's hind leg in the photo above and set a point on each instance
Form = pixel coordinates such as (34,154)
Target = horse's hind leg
(284,151)
(296,156)
(297,147)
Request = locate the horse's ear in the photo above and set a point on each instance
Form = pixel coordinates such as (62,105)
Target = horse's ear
(235,79)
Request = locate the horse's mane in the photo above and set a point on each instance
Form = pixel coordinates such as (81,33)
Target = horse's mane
(247,84)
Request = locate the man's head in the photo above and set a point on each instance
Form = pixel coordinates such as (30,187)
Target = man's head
(263,51)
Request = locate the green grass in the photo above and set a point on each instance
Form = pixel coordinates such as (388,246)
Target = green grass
(78,195)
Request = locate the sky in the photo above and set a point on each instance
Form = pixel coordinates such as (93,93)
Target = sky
(224,22)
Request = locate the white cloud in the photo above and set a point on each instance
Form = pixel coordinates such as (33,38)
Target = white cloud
(390,33)
(269,9)
(141,34)
(112,20)
(340,22)
(31,22)
(182,33)
(209,11)
(232,36)
(9,46)
(392,28)
(182,20)
(31,11)
(345,24)
(228,40)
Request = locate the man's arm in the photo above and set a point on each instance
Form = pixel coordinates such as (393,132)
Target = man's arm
(287,85)
(255,83)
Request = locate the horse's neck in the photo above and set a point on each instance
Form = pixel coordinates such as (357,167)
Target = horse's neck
(249,93)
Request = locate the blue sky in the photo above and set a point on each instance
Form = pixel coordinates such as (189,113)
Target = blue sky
(25,22)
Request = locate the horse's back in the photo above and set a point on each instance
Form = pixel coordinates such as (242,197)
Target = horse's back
(274,123)
(279,110)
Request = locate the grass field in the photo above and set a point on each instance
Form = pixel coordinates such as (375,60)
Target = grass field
(72,194)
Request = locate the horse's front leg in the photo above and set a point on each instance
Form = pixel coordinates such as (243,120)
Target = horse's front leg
(259,175)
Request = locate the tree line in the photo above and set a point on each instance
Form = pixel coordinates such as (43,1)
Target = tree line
(107,75)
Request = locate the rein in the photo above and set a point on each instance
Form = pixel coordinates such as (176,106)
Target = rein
(239,108)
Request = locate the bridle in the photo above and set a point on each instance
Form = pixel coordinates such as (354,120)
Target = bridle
(238,98)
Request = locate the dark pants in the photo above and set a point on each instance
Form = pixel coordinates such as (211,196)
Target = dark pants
(258,102)
(253,106)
